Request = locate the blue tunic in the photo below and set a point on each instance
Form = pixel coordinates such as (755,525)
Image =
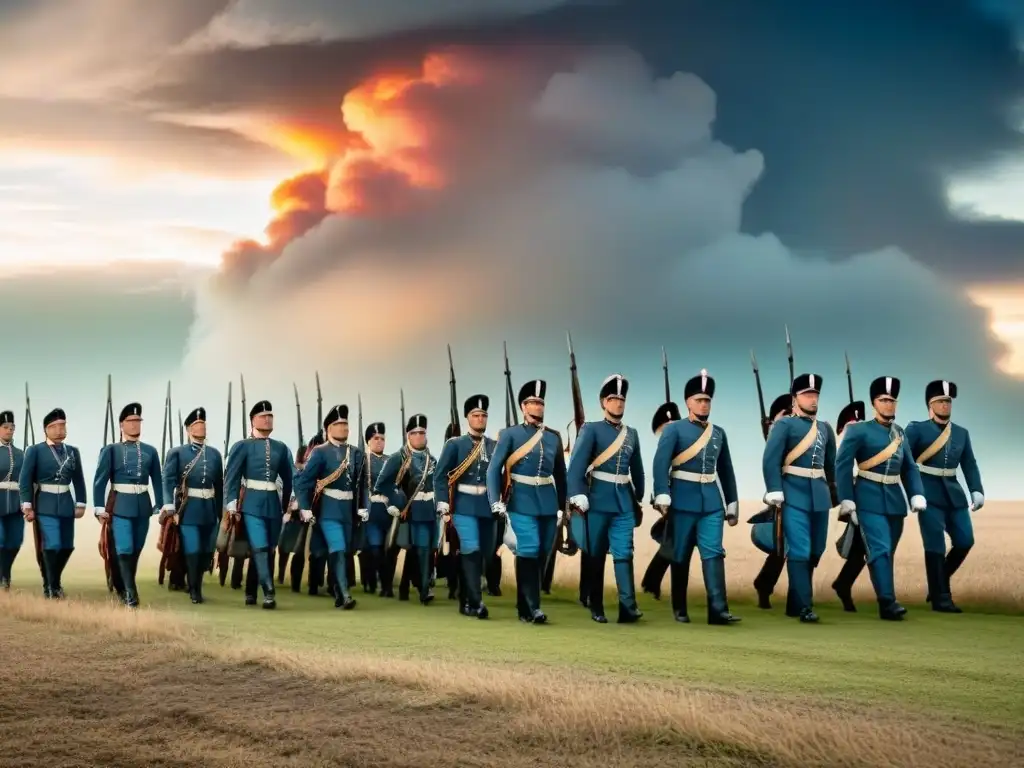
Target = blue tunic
(407,479)
(132,466)
(809,494)
(471,489)
(340,499)
(12,523)
(380,521)
(608,489)
(258,463)
(205,489)
(53,470)
(861,441)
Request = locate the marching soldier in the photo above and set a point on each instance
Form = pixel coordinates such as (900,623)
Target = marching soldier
(605,479)
(526,482)
(407,480)
(196,471)
(12,522)
(874,501)
(662,560)
(691,460)
(851,543)
(128,468)
(939,446)
(52,469)
(799,471)
(330,489)
(379,522)
(768,576)
(255,464)
(460,488)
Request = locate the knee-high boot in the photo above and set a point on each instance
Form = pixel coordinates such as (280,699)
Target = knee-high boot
(384,572)
(368,567)
(238,574)
(954,559)
(295,571)
(342,596)
(629,611)
(592,576)
(425,560)
(938,583)
(586,576)
(881,572)
(193,566)
(680,580)
(767,578)
(282,566)
(131,595)
(714,583)
(535,576)
(57,560)
(5,571)
(261,561)
(493,565)
(409,566)
(655,574)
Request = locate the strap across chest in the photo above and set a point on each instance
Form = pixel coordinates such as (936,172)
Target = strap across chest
(523,450)
(610,451)
(803,446)
(937,445)
(883,455)
(694,448)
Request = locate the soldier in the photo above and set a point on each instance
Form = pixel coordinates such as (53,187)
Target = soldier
(851,543)
(379,522)
(526,482)
(51,470)
(605,480)
(12,522)
(330,487)
(255,464)
(691,460)
(799,477)
(662,560)
(128,468)
(939,446)
(407,480)
(460,488)
(196,471)
(875,502)
(770,572)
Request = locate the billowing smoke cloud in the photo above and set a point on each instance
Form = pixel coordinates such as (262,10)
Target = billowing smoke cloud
(496,202)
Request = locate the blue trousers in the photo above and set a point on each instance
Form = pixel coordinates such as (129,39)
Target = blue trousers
(881,534)
(263,532)
(475,533)
(703,530)
(12,531)
(129,534)
(423,534)
(806,534)
(599,532)
(535,536)
(936,522)
(198,539)
(56,532)
(337,534)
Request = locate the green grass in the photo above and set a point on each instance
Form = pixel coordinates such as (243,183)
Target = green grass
(966,666)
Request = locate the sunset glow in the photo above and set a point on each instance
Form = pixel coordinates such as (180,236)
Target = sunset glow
(1006,303)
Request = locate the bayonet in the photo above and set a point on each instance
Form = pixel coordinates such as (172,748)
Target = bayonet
(362,434)
(849,376)
(789,355)
(243,415)
(181,429)
(319,405)
(664,370)
(456,428)
(227,429)
(301,453)
(401,398)
(760,395)
(29,426)
(108,419)
(510,400)
(167,423)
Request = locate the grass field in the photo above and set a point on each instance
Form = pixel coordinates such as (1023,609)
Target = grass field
(399,684)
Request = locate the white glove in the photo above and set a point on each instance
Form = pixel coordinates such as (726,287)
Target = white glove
(918,503)
(849,509)
(364,514)
(232,507)
(774,498)
(167,508)
(101,513)
(305,515)
(580,501)
(663,501)
(498,508)
(293,504)
(26,507)
(559,516)
(442,508)
(977,501)
(732,513)
(394,511)
(166,512)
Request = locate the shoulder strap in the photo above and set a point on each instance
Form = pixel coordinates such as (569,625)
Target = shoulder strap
(883,455)
(324,482)
(804,445)
(936,446)
(459,471)
(522,451)
(611,450)
(695,447)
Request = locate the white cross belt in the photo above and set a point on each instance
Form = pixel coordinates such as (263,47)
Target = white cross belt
(877,478)
(936,471)
(9,485)
(379,498)
(259,485)
(610,477)
(334,493)
(424,496)
(695,477)
(130,488)
(53,488)
(533,479)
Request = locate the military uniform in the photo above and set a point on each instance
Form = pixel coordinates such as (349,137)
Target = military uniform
(850,543)
(407,480)
(875,500)
(330,491)
(460,488)
(12,522)
(198,468)
(50,472)
(762,534)
(526,482)
(128,468)
(939,447)
(798,467)
(379,522)
(695,483)
(605,482)
(662,559)
(254,466)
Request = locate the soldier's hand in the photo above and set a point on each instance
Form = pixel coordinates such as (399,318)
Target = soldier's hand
(977,501)
(305,515)
(28,513)
(581,502)
(364,514)
(394,511)
(498,508)
(662,502)
(775,498)
(732,513)
(918,503)
(101,513)
(443,510)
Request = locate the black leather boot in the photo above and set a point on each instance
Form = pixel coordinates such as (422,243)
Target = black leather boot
(714,583)
(767,578)
(680,580)
(425,560)
(655,575)
(594,596)
(938,584)
(629,611)
(342,597)
(472,565)
(131,596)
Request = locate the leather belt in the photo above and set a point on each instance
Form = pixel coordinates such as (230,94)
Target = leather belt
(695,477)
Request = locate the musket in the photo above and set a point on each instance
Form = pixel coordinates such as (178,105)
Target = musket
(167,423)
(849,376)
(181,429)
(578,417)
(362,434)
(510,400)
(765,424)
(245,429)
(108,423)
(664,371)
(29,426)
(227,427)
(300,454)
(106,542)
(395,521)
(319,405)
(456,428)
(401,399)
(789,355)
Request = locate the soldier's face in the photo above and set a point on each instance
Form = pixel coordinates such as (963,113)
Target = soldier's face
(338,431)
(6,432)
(477,420)
(699,407)
(807,402)
(942,407)
(534,409)
(57,431)
(418,439)
(264,422)
(376,443)
(132,426)
(886,406)
(197,430)
(614,406)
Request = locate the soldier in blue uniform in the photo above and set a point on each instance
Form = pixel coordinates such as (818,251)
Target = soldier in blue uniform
(12,522)
(460,488)
(875,501)
(762,533)
(407,480)
(52,469)
(695,484)
(799,470)
(128,468)
(605,482)
(333,479)
(662,560)
(939,446)
(526,482)
(851,543)
(379,522)
(198,468)
(254,466)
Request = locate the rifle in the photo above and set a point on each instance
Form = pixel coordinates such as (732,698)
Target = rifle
(765,422)
(246,430)
(789,354)
(664,371)
(233,527)
(30,429)
(395,521)
(223,556)
(166,424)
(181,429)
(319,405)
(510,400)
(456,427)
(444,534)
(300,453)
(37,535)
(362,434)
(401,397)
(578,419)
(849,377)
(168,544)
(227,427)
(106,542)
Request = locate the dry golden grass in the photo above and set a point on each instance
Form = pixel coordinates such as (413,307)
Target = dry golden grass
(89,678)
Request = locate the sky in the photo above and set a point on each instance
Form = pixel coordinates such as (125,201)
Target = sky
(267,189)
